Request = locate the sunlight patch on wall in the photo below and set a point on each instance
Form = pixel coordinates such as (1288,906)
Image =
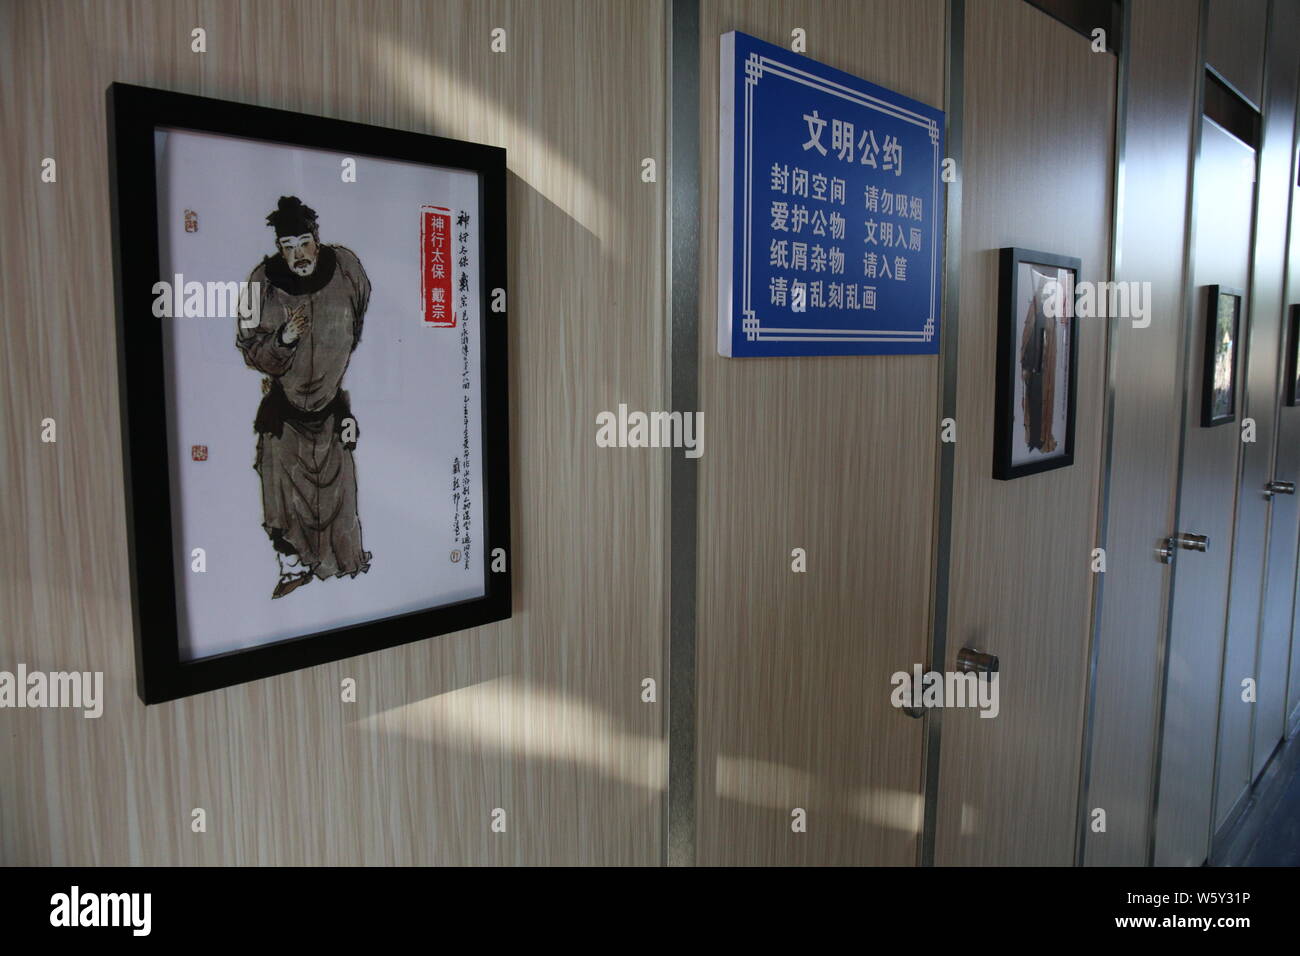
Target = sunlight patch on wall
(508,715)
(460,110)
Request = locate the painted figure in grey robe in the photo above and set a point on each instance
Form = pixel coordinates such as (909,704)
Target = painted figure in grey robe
(1038,369)
(313,301)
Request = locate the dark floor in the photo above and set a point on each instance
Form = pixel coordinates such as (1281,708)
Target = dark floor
(1266,832)
(1278,843)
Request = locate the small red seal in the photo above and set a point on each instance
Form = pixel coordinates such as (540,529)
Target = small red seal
(191,221)
(199,452)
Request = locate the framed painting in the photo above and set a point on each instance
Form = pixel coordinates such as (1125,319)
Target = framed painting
(1293,356)
(1037,363)
(313,383)
(1219,368)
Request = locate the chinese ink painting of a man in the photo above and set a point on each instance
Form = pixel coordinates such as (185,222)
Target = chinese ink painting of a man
(1038,348)
(313,303)
(1224,364)
(339,418)
(1035,363)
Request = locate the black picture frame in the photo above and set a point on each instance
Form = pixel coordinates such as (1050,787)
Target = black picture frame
(1293,356)
(134,113)
(1004,466)
(1210,418)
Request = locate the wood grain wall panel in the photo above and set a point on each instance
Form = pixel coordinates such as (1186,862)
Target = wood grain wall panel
(1267,457)
(1207,483)
(836,456)
(1163,68)
(540,715)
(1234,43)
(1289,441)
(1039,119)
(1238,757)
(1259,375)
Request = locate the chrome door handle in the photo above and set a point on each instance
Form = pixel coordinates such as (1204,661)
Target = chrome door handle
(1190,541)
(971,661)
(1279,488)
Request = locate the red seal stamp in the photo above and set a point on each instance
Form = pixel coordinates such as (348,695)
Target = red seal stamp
(435,267)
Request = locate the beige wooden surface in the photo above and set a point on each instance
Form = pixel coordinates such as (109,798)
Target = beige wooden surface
(1289,451)
(1258,379)
(1147,361)
(1277,181)
(541,715)
(836,456)
(1207,491)
(1037,173)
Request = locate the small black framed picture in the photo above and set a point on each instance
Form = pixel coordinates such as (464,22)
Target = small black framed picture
(1293,356)
(1037,362)
(1219,368)
(313,371)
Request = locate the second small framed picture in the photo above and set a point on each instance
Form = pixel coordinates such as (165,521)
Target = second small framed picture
(1219,374)
(1293,355)
(1037,363)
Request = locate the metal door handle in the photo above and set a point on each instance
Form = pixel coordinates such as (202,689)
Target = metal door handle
(971,661)
(1190,541)
(1279,488)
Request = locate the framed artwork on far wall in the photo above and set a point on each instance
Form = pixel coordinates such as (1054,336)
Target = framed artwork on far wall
(1037,363)
(312,374)
(1219,369)
(1293,356)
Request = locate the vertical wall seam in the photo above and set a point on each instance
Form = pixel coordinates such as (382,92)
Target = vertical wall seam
(666,350)
(1108,433)
(1292,185)
(955,45)
(682,264)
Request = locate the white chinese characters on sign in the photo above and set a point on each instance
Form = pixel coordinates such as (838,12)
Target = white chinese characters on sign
(887,157)
(807,218)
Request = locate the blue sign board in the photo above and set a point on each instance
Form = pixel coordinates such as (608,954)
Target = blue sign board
(830,227)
